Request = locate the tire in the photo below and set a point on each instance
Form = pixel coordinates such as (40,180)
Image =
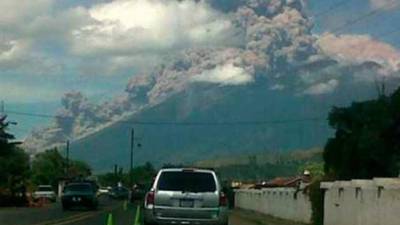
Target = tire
(144,223)
(65,207)
(94,207)
(147,223)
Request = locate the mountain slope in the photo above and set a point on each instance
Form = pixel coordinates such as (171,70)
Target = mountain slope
(169,143)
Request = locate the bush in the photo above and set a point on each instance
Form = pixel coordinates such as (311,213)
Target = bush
(317,202)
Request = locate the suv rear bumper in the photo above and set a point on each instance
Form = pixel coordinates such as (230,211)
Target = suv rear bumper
(151,218)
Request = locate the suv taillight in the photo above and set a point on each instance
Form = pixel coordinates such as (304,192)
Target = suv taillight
(223,200)
(150,198)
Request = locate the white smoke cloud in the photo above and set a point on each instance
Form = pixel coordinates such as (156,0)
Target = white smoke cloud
(322,88)
(275,35)
(275,44)
(384,4)
(359,49)
(225,75)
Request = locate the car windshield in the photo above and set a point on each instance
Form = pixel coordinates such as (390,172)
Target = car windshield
(186,182)
(45,188)
(120,189)
(79,188)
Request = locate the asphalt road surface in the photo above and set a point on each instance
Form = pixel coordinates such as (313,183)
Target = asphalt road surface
(52,214)
(122,214)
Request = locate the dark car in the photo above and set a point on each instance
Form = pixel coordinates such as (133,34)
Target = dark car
(138,192)
(119,193)
(79,195)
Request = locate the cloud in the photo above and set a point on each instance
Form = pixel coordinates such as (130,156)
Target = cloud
(18,57)
(384,4)
(322,88)
(360,49)
(15,12)
(24,24)
(138,26)
(202,41)
(225,75)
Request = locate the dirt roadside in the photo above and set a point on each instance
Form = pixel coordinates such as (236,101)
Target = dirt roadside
(244,217)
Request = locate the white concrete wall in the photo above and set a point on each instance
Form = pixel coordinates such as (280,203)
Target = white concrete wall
(362,202)
(285,203)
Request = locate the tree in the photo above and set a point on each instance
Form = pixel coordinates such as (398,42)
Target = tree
(315,168)
(140,175)
(79,169)
(367,140)
(50,166)
(14,165)
(14,169)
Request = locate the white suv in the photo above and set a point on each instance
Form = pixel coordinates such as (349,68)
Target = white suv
(186,196)
(45,192)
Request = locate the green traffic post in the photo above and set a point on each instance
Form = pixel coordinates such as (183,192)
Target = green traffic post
(137,217)
(110,220)
(125,205)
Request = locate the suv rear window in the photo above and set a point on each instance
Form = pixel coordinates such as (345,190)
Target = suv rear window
(45,188)
(79,187)
(187,182)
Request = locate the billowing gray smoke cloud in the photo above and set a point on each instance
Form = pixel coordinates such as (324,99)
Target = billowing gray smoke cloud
(277,46)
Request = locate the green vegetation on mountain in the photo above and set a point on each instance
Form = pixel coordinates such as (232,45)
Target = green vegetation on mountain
(265,166)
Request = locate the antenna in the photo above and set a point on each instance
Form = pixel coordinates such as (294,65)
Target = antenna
(2,107)
(377,87)
(380,87)
(383,87)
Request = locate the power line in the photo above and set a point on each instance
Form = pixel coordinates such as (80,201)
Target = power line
(363,17)
(389,33)
(175,123)
(37,115)
(230,123)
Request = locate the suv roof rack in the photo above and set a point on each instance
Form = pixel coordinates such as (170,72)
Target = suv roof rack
(190,168)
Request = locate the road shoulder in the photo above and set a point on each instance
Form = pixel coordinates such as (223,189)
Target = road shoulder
(246,217)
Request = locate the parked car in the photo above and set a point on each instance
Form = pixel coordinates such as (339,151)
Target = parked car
(138,192)
(45,192)
(79,195)
(119,193)
(104,190)
(186,196)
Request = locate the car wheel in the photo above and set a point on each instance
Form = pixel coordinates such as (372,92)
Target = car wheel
(65,207)
(95,207)
(145,223)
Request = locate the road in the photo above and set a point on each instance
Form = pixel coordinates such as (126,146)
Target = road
(53,214)
(122,215)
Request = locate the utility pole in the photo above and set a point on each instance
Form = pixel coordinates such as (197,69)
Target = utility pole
(2,108)
(131,163)
(67,159)
(115,170)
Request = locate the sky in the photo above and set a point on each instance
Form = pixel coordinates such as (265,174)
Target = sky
(50,47)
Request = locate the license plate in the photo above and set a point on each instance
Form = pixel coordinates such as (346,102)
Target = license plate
(187,203)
